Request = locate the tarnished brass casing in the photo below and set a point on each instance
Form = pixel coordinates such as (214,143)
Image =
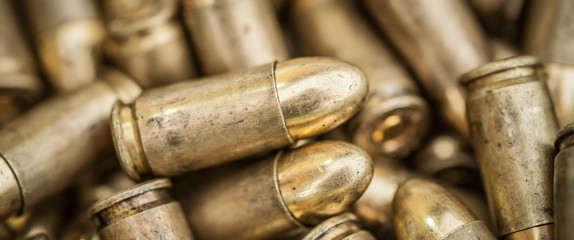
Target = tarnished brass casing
(395,118)
(564,182)
(274,196)
(143,211)
(146,41)
(512,127)
(19,84)
(234,34)
(68,36)
(441,40)
(561,86)
(425,210)
(196,124)
(44,150)
(343,226)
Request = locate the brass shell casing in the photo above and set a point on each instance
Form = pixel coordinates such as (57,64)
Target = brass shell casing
(344,226)
(44,150)
(274,196)
(564,182)
(513,124)
(146,41)
(68,36)
(425,210)
(191,125)
(395,117)
(145,211)
(234,34)
(561,84)
(441,40)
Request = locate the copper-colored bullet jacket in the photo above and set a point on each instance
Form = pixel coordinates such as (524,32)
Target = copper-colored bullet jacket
(234,34)
(273,196)
(143,211)
(43,150)
(395,118)
(441,40)
(344,226)
(513,125)
(68,36)
(196,124)
(425,210)
(561,85)
(564,182)
(147,41)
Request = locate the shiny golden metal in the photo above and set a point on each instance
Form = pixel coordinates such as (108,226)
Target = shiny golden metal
(146,41)
(68,36)
(44,150)
(561,86)
(395,118)
(513,124)
(441,40)
(196,124)
(564,182)
(343,226)
(143,211)
(234,34)
(274,196)
(425,210)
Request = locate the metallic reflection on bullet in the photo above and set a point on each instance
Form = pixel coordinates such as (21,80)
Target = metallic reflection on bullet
(564,182)
(343,226)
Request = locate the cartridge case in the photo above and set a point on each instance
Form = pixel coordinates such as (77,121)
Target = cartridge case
(277,195)
(45,149)
(564,182)
(191,125)
(234,34)
(440,40)
(68,37)
(513,124)
(395,117)
(425,210)
(145,211)
(343,226)
(561,84)
(146,41)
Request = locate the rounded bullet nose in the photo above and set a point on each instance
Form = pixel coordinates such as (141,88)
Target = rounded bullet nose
(564,137)
(318,94)
(11,200)
(323,179)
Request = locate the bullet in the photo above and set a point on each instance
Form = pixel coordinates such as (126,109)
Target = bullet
(68,36)
(196,124)
(234,34)
(513,124)
(564,182)
(44,150)
(343,226)
(561,84)
(425,210)
(19,83)
(395,117)
(145,211)
(147,42)
(277,195)
(440,40)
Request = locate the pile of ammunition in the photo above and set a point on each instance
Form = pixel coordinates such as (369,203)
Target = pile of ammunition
(286,119)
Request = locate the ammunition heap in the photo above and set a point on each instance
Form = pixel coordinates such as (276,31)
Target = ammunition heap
(286,119)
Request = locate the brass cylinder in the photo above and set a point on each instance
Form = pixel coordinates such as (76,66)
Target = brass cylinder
(564,182)
(68,36)
(425,210)
(441,40)
(45,149)
(513,124)
(274,196)
(395,117)
(191,125)
(143,211)
(146,40)
(561,84)
(234,34)
(343,226)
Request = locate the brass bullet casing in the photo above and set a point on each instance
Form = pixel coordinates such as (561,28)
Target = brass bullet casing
(513,124)
(395,117)
(274,196)
(234,34)
(425,210)
(145,211)
(68,36)
(45,149)
(191,125)
(146,41)
(561,84)
(564,182)
(441,40)
(343,226)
